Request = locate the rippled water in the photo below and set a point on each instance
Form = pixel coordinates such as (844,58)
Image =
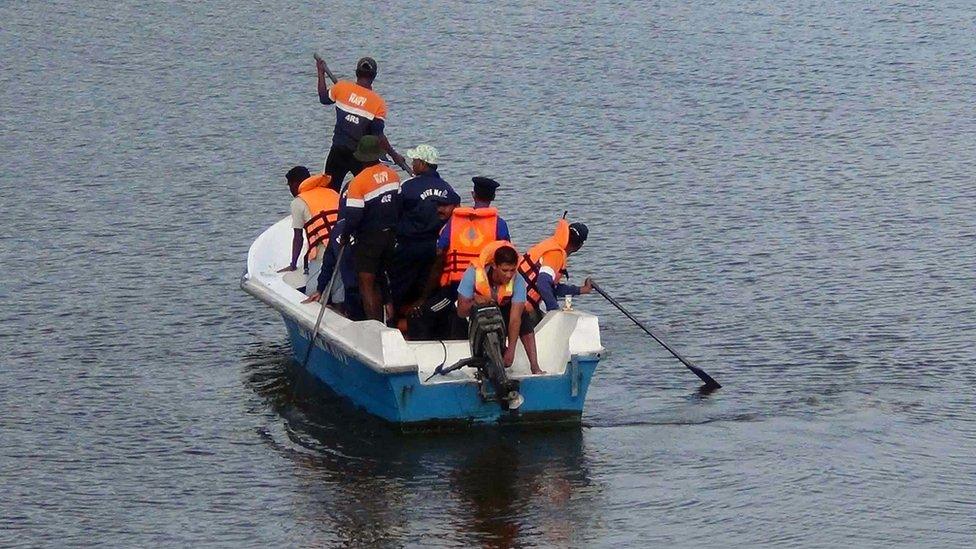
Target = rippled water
(786,190)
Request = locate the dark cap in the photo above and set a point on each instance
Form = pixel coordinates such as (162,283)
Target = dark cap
(485,187)
(578,233)
(367,65)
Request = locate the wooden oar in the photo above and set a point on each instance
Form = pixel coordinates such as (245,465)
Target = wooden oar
(710,384)
(323,301)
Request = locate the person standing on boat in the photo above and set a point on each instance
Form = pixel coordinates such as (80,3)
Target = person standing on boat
(423,201)
(544,266)
(461,240)
(360,111)
(493,280)
(314,211)
(371,215)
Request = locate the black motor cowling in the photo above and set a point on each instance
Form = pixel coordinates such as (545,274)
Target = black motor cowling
(486,333)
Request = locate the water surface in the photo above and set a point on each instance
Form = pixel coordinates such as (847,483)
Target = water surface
(785,190)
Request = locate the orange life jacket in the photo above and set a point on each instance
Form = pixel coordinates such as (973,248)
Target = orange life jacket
(549,256)
(323,204)
(471,230)
(482,284)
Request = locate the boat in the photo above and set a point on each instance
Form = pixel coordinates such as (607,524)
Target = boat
(375,368)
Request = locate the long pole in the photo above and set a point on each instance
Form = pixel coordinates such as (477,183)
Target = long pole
(323,300)
(710,383)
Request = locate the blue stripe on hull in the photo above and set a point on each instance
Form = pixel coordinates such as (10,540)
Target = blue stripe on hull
(401,397)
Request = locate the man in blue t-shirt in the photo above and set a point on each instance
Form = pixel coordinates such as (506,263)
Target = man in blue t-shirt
(493,289)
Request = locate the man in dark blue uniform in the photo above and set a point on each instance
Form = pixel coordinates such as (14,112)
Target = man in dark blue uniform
(425,204)
(360,111)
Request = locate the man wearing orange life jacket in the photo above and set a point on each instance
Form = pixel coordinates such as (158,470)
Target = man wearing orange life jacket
(461,240)
(360,111)
(493,279)
(544,265)
(468,231)
(371,215)
(314,211)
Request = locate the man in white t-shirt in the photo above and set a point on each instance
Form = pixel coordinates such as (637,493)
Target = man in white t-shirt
(314,194)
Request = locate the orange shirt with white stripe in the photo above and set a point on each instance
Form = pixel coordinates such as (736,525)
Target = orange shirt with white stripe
(359,111)
(371,201)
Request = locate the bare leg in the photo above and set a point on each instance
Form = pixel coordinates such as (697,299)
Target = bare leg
(372,302)
(528,341)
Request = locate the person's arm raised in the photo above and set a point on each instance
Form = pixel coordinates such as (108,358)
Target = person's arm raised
(323,86)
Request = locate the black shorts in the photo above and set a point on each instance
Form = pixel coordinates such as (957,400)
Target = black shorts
(527,326)
(339,163)
(410,270)
(373,252)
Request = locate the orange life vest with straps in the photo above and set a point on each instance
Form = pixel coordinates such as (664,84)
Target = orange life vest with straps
(471,230)
(547,256)
(482,285)
(323,204)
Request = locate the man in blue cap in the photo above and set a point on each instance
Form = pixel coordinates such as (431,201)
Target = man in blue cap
(483,194)
(544,267)
(461,240)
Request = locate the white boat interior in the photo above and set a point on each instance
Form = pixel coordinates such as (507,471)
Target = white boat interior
(560,335)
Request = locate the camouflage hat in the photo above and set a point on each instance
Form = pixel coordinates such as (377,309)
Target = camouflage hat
(369,149)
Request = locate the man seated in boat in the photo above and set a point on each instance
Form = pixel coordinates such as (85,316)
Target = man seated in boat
(493,280)
(461,240)
(314,211)
(419,327)
(544,266)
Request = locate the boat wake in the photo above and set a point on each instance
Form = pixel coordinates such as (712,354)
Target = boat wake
(735,418)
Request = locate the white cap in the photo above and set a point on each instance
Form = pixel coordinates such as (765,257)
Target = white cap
(423,152)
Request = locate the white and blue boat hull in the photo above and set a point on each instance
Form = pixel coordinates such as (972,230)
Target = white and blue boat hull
(402,398)
(375,369)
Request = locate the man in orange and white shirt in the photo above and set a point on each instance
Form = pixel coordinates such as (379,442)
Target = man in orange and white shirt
(371,216)
(360,111)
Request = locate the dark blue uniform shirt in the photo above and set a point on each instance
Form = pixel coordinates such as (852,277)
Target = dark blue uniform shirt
(418,214)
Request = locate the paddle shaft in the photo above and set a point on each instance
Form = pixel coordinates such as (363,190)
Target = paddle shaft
(697,371)
(325,67)
(323,301)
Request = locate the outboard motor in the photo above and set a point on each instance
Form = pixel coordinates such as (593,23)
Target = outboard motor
(486,334)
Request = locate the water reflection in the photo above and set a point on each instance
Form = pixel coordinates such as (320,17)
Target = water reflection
(366,483)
